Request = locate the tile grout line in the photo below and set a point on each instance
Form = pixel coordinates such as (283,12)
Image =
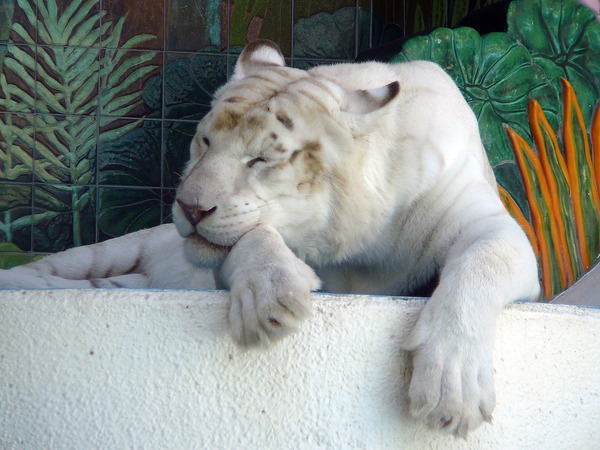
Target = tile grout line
(163,149)
(98,126)
(33,150)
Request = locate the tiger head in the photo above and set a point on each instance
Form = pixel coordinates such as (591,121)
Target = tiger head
(276,148)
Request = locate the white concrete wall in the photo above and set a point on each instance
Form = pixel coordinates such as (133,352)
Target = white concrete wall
(156,370)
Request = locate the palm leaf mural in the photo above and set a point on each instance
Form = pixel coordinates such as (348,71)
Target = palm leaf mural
(562,192)
(77,76)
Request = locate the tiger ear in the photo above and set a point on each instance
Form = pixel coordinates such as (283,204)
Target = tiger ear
(366,101)
(258,55)
(363,109)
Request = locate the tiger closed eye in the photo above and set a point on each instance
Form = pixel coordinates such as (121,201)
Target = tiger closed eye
(254,161)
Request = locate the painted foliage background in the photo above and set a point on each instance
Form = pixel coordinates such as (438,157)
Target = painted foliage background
(99,100)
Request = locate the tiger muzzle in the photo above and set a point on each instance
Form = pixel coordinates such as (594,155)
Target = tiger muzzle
(195,213)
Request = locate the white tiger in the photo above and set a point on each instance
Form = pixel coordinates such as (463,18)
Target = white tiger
(372,175)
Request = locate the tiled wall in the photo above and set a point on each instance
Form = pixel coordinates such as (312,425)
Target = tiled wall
(99,98)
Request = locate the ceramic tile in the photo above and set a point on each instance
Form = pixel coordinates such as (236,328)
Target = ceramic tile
(129,152)
(134,22)
(97,119)
(18,25)
(194,25)
(66,80)
(177,137)
(17,138)
(65,217)
(16,218)
(19,69)
(65,149)
(124,210)
(190,81)
(168,198)
(124,76)
(326,29)
(70,23)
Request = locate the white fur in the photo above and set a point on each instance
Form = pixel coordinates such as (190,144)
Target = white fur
(376,189)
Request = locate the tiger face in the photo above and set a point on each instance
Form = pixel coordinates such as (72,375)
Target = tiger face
(252,164)
(272,150)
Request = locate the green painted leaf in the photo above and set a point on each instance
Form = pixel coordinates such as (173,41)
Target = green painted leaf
(564,39)
(50,81)
(24,101)
(82,173)
(113,39)
(48,10)
(87,33)
(49,101)
(82,201)
(84,33)
(13,196)
(495,75)
(116,133)
(19,30)
(25,59)
(82,103)
(74,62)
(115,77)
(137,40)
(73,7)
(28,10)
(509,177)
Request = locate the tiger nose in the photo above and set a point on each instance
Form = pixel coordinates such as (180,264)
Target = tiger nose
(195,213)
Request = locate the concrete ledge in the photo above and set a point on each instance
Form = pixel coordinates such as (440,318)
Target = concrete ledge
(156,369)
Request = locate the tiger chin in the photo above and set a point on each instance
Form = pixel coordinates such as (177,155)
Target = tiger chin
(355,178)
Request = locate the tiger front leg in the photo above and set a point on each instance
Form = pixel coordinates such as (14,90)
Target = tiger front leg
(270,288)
(452,340)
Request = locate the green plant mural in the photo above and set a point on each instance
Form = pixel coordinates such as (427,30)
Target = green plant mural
(54,88)
(499,71)
(562,188)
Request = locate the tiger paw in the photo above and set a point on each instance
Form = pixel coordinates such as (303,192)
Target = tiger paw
(270,288)
(452,383)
